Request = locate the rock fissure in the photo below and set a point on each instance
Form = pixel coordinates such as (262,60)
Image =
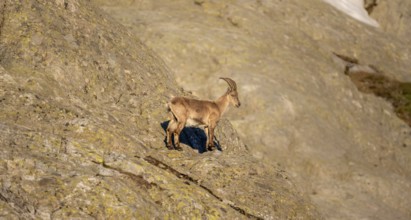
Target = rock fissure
(2,21)
(17,203)
(3,198)
(55,211)
(2,10)
(368,79)
(3,16)
(369,5)
(186,177)
(136,178)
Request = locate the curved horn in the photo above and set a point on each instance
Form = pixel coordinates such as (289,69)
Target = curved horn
(231,83)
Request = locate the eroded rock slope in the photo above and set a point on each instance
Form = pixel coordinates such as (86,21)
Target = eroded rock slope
(82,102)
(348,150)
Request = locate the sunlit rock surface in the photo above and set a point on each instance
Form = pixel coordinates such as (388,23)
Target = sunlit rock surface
(82,104)
(347,150)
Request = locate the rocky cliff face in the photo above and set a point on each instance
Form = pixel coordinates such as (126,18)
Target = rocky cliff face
(82,102)
(348,150)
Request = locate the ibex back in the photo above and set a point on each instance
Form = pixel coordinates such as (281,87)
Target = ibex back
(192,112)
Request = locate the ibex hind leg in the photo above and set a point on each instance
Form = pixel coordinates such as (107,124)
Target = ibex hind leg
(180,127)
(178,119)
(171,128)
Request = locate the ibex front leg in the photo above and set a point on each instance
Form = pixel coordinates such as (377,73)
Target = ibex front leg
(207,135)
(210,138)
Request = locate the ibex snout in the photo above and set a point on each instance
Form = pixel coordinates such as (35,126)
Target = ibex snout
(236,102)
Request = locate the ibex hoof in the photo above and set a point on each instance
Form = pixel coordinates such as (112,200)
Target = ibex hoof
(178,148)
(170,147)
(210,148)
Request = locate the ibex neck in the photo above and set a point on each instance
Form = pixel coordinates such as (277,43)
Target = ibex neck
(223,103)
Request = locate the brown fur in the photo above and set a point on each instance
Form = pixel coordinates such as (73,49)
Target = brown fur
(188,111)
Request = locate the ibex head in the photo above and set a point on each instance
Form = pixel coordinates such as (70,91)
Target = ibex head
(232,92)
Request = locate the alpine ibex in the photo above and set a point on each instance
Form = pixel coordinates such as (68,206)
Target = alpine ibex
(192,112)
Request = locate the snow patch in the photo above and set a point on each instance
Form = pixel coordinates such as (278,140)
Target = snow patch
(354,8)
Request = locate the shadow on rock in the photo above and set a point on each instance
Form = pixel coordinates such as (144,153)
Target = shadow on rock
(193,137)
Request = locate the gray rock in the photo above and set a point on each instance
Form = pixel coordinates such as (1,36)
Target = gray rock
(82,101)
(343,148)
